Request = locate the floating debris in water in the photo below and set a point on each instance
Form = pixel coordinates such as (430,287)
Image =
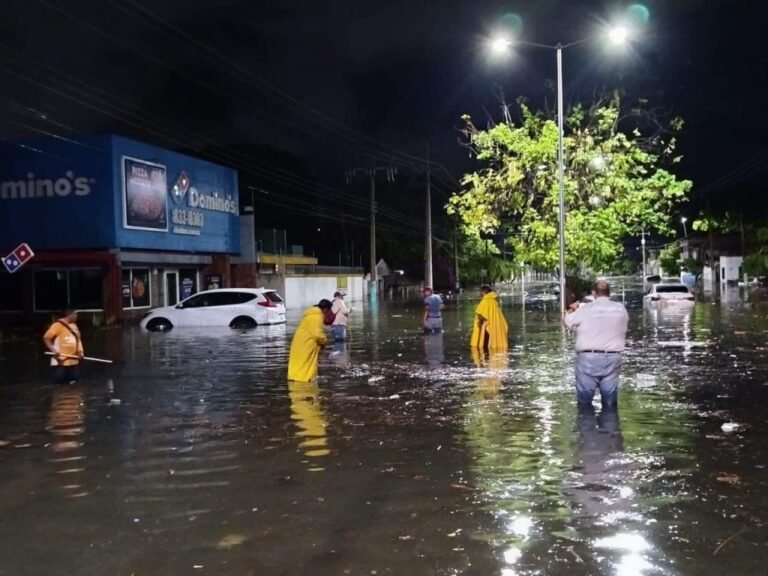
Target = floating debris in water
(231,541)
(730,427)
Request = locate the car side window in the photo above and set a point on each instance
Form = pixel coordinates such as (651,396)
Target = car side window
(223,299)
(218,299)
(194,302)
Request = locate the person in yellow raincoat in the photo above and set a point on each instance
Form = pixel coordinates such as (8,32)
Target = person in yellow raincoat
(307,341)
(490,327)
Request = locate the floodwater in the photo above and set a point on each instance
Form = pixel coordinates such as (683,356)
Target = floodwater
(193,455)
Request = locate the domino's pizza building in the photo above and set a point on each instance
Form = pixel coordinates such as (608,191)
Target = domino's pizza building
(117,226)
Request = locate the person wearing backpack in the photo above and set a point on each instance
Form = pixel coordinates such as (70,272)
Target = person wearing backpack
(63,340)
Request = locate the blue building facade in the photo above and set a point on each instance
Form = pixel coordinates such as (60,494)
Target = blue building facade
(116,225)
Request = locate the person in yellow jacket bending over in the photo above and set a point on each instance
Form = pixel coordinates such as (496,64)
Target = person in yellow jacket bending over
(490,328)
(307,341)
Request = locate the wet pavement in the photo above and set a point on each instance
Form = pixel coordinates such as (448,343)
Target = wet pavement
(193,455)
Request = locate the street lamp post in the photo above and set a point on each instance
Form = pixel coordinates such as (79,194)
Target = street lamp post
(617,35)
(683,220)
(561,174)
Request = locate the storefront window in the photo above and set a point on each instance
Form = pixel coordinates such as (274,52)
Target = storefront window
(51,290)
(11,292)
(135,288)
(56,290)
(85,289)
(187,282)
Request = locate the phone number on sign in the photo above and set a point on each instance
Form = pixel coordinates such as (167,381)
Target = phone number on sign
(187,217)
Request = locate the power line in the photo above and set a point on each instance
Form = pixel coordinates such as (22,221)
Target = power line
(266,87)
(276,175)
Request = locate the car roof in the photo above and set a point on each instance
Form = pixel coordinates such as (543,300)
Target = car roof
(248,290)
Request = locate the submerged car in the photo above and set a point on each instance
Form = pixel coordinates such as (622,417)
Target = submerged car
(673,294)
(233,307)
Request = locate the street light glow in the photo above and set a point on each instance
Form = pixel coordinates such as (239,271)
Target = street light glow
(618,35)
(499,45)
(683,219)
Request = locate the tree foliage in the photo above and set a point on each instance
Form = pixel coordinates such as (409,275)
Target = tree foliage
(481,261)
(614,185)
(720,223)
(669,259)
(756,265)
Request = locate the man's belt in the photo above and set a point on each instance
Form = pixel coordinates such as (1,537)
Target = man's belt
(598,352)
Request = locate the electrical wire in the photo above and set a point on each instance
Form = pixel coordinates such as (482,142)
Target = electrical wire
(290,180)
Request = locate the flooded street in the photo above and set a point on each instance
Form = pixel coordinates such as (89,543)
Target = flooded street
(193,455)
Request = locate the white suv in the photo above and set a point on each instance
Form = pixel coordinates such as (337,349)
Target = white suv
(233,307)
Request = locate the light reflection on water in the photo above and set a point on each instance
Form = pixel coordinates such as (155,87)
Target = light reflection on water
(410,455)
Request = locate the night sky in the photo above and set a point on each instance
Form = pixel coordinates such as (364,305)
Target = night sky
(295,93)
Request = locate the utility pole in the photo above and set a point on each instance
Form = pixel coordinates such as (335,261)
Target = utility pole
(390,173)
(743,248)
(456,257)
(428,279)
(374,287)
(642,243)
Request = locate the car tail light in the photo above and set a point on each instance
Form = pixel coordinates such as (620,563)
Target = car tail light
(267,304)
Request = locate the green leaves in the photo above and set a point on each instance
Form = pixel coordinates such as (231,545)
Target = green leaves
(614,185)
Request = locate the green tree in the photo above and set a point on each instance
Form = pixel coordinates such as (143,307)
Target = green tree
(755,265)
(481,261)
(719,223)
(695,267)
(614,185)
(669,259)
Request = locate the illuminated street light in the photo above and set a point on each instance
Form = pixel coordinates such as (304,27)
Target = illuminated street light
(618,35)
(683,220)
(499,46)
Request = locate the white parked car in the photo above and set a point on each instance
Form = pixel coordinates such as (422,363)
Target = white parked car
(670,294)
(233,307)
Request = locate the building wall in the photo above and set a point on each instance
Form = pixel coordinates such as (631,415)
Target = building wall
(197,200)
(56,195)
(730,267)
(112,192)
(302,291)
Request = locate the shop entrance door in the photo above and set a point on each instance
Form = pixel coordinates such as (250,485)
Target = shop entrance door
(171,288)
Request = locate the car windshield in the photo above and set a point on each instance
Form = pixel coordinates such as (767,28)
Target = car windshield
(672,288)
(273,297)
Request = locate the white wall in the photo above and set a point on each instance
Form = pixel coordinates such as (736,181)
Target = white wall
(303,291)
(729,268)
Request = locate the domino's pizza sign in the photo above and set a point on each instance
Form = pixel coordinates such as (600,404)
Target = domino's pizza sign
(16,259)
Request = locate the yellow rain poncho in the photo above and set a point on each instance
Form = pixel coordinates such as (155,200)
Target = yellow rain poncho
(305,346)
(492,333)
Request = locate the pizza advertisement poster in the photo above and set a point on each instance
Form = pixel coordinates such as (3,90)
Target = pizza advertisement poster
(145,195)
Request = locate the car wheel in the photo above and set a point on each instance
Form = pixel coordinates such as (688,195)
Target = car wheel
(243,323)
(159,325)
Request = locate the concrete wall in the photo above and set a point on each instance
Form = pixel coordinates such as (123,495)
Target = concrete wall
(729,268)
(302,291)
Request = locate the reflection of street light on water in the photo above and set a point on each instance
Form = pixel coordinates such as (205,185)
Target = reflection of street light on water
(499,46)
